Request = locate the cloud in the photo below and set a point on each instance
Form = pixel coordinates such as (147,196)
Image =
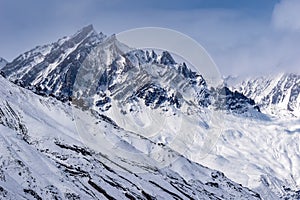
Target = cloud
(286,15)
(238,42)
(258,46)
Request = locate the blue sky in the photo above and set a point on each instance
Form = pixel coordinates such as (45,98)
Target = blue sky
(242,36)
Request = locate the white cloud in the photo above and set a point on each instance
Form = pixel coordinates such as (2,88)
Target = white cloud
(286,15)
(238,42)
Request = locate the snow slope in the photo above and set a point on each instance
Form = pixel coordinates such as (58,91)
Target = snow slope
(260,154)
(43,157)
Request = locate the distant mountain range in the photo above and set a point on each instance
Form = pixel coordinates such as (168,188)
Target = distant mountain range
(277,95)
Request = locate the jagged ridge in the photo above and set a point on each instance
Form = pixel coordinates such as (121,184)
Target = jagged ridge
(277,95)
(51,70)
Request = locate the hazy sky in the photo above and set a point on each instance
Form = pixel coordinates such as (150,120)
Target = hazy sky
(242,36)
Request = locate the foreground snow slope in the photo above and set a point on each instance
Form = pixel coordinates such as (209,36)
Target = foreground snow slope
(42,156)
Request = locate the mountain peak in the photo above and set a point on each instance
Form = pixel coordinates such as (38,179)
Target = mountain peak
(3,62)
(60,59)
(167,59)
(87,28)
(84,33)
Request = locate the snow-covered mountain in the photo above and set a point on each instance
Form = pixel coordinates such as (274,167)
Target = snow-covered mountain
(277,95)
(43,157)
(145,126)
(3,62)
(51,68)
